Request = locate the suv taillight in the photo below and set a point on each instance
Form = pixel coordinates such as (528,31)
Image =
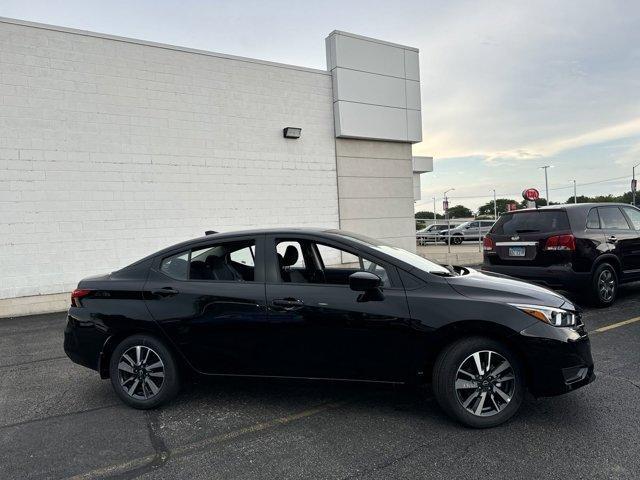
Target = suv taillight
(488,244)
(77,294)
(561,242)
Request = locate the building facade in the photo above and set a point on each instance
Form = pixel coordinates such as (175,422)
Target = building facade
(111,148)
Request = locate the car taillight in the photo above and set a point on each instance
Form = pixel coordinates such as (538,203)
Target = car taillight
(77,294)
(561,242)
(488,244)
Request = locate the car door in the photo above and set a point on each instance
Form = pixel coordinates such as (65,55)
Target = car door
(620,238)
(471,231)
(323,330)
(633,244)
(210,302)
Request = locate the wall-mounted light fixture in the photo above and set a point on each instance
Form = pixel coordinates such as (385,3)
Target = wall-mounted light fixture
(291,132)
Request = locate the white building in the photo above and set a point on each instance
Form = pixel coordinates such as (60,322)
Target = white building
(111,148)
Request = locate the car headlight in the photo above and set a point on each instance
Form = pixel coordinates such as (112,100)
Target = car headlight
(558,317)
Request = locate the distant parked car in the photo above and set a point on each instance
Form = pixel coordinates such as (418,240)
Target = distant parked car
(474,230)
(429,233)
(582,248)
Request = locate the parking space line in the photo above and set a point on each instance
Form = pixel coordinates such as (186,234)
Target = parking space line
(120,468)
(616,325)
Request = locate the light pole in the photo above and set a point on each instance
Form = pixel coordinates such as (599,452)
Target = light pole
(546,181)
(435,235)
(633,181)
(446,214)
(575,194)
(495,206)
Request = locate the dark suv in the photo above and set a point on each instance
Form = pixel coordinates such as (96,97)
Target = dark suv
(585,248)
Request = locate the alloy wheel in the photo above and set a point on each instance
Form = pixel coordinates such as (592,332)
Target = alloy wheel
(606,285)
(485,383)
(141,372)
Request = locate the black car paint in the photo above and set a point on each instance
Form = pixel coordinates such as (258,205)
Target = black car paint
(232,328)
(570,270)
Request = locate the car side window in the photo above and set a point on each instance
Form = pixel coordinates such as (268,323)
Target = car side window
(593,219)
(612,218)
(224,262)
(176,266)
(634,216)
(338,265)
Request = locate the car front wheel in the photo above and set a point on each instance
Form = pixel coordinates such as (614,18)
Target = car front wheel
(143,372)
(479,382)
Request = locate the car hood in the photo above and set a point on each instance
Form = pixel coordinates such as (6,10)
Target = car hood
(501,288)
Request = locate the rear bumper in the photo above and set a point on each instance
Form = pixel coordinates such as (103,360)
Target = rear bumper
(558,361)
(562,277)
(83,342)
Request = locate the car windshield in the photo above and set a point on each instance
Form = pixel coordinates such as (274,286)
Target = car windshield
(400,254)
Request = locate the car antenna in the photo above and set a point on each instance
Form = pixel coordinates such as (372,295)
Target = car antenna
(210,232)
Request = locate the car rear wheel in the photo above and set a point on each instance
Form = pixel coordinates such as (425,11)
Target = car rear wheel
(479,382)
(143,372)
(604,285)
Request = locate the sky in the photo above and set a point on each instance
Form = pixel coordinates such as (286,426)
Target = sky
(507,86)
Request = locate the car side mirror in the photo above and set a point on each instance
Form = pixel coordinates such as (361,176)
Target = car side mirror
(368,283)
(363,281)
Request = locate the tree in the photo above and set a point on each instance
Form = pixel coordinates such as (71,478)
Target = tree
(487,208)
(426,215)
(460,211)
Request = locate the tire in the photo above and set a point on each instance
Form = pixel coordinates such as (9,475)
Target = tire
(604,285)
(457,240)
(145,361)
(473,401)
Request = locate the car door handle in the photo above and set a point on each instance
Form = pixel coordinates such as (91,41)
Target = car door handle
(288,303)
(165,292)
(612,239)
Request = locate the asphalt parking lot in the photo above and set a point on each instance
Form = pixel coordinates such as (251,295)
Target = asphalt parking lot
(59,420)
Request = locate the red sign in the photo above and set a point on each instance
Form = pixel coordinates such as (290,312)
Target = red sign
(531,194)
(445,205)
(634,185)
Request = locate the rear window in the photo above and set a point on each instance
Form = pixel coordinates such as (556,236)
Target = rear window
(542,221)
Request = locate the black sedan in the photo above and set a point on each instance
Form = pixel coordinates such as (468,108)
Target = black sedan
(326,304)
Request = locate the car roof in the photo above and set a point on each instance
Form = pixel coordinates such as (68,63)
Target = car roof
(573,206)
(321,232)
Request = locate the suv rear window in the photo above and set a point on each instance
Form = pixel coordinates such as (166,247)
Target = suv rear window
(543,221)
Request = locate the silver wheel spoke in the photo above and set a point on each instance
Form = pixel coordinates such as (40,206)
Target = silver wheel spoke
(154,388)
(128,359)
(465,384)
(493,400)
(476,359)
(505,378)
(147,355)
(504,396)
(468,401)
(488,369)
(466,373)
(480,405)
(138,355)
(125,367)
(156,374)
(500,368)
(133,387)
(155,365)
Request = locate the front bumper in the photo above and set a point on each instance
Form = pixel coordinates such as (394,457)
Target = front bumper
(558,359)
(562,277)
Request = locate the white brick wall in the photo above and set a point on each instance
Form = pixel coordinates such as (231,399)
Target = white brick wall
(110,150)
